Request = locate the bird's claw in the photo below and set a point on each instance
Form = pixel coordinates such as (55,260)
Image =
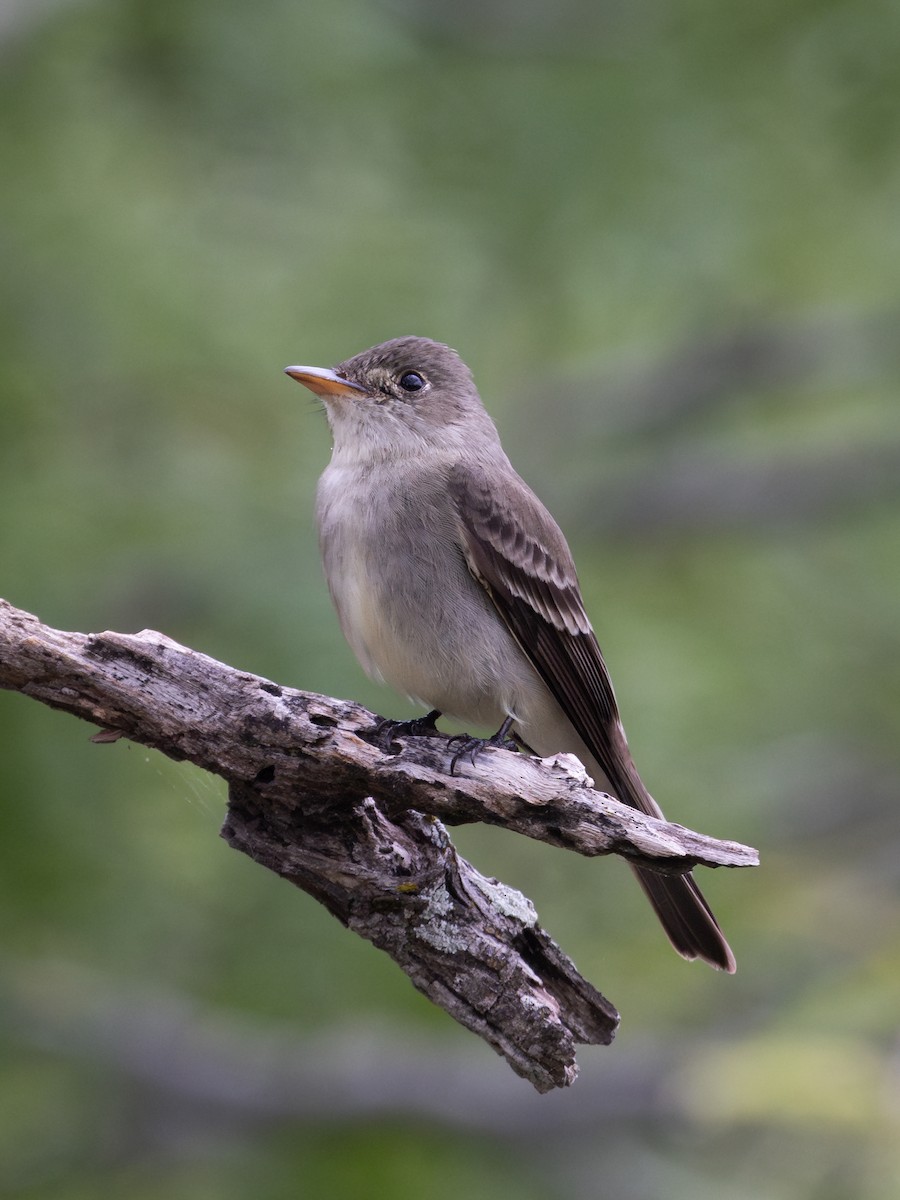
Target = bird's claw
(470,747)
(425,726)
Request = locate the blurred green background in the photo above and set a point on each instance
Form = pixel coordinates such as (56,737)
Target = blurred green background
(666,237)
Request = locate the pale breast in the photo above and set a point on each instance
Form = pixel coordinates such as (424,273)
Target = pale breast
(409,608)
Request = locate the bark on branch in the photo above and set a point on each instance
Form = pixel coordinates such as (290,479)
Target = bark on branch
(350,815)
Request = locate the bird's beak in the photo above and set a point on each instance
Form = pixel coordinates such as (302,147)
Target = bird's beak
(323,382)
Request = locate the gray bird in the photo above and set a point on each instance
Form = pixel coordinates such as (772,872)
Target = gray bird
(453,583)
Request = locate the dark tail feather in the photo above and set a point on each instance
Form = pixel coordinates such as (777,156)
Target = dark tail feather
(686,918)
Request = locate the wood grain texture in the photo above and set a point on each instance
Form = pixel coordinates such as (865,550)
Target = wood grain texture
(353,816)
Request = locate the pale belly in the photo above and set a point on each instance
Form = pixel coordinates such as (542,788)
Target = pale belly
(413,615)
(417,620)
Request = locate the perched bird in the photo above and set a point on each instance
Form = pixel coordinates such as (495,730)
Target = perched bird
(454,584)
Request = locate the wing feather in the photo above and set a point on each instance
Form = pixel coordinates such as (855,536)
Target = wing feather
(517,552)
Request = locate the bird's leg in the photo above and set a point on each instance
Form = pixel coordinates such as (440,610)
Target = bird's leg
(472,746)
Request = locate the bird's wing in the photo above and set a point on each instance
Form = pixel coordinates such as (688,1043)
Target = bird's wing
(518,554)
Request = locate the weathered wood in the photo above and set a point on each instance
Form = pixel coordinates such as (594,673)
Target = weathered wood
(323,798)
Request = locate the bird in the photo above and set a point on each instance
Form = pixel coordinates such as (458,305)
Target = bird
(454,584)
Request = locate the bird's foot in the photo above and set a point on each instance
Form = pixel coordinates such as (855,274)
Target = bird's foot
(387,729)
(470,747)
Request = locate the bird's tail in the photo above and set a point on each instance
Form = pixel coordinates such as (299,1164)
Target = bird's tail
(677,901)
(686,917)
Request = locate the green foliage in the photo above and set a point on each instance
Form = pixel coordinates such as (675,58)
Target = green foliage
(665,237)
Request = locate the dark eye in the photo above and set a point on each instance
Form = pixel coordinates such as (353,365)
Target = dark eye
(411,381)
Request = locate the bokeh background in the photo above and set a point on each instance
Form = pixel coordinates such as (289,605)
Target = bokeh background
(666,236)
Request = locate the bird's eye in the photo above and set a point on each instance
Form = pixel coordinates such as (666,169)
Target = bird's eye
(411,381)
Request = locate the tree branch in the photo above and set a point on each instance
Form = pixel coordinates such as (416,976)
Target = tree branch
(348,814)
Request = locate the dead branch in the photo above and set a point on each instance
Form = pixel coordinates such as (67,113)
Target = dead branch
(317,795)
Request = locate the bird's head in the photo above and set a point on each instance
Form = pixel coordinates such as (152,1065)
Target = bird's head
(398,398)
